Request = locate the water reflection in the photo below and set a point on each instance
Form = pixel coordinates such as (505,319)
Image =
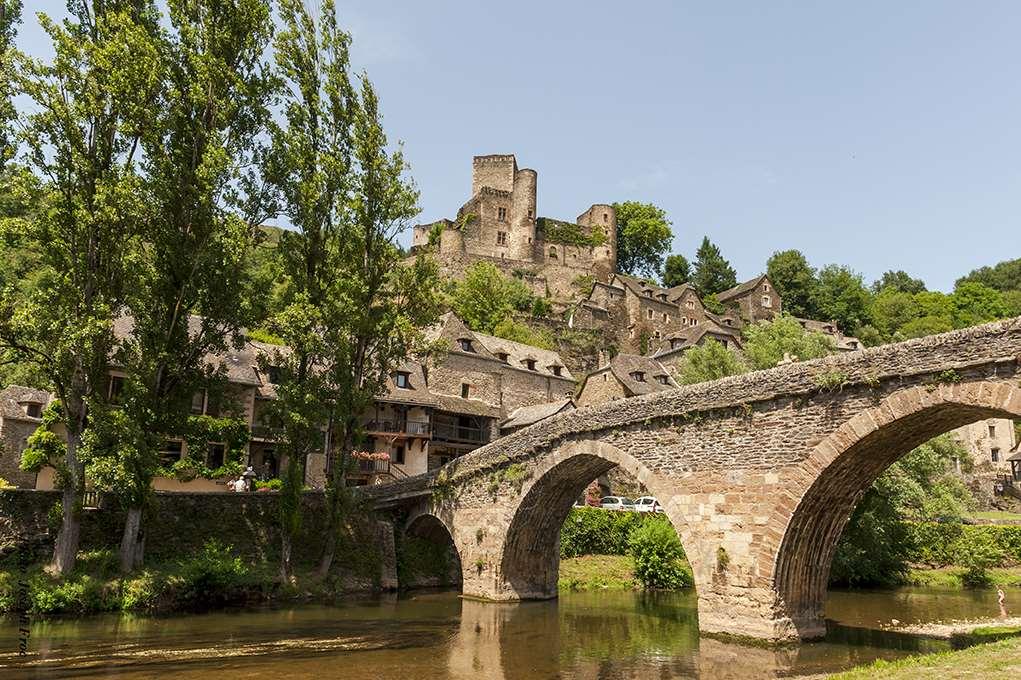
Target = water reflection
(604,636)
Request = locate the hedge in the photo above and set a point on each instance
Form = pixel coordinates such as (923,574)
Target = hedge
(940,545)
(594,531)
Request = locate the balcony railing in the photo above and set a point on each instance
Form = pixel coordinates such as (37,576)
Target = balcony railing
(372,467)
(461,433)
(414,428)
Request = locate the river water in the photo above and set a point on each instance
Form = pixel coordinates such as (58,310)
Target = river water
(597,635)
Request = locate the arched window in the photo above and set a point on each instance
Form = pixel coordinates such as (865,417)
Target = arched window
(552,253)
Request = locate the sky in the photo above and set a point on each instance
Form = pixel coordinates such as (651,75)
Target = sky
(876,135)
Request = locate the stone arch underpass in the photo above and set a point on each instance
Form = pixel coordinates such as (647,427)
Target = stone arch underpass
(758,473)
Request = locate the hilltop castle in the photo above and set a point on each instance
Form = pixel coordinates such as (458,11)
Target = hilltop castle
(500,224)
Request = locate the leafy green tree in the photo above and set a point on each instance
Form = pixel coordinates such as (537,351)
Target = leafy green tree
(657,553)
(198,229)
(1002,277)
(899,281)
(310,167)
(382,303)
(485,297)
(523,333)
(709,361)
(976,303)
(676,271)
(766,342)
(10,17)
(841,296)
(91,110)
(891,310)
(794,280)
(643,237)
(1012,300)
(712,274)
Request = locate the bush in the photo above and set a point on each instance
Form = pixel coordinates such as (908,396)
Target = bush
(977,553)
(593,531)
(213,576)
(658,553)
(270,485)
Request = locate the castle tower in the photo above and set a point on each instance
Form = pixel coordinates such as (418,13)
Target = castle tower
(604,217)
(505,199)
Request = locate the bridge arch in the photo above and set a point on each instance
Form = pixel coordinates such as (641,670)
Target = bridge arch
(530,558)
(842,467)
(433,557)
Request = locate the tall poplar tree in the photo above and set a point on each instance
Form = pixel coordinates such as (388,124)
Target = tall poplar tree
(92,109)
(190,297)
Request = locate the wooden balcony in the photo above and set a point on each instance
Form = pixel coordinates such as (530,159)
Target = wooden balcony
(401,428)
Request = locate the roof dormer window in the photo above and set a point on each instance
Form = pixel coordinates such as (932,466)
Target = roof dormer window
(648,293)
(638,376)
(402,379)
(33,409)
(662,380)
(675,344)
(557,370)
(503,356)
(530,364)
(466,345)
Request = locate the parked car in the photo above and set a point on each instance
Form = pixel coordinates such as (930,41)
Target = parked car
(648,504)
(616,503)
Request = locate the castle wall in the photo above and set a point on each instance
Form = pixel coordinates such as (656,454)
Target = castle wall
(522,215)
(496,171)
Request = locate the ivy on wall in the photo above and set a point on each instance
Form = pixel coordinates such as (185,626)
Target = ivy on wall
(570,234)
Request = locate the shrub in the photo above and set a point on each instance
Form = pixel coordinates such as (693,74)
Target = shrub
(658,553)
(270,485)
(977,553)
(593,531)
(213,576)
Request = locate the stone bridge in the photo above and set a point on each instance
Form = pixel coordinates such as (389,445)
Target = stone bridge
(758,473)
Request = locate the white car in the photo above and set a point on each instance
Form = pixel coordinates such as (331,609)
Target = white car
(648,504)
(616,503)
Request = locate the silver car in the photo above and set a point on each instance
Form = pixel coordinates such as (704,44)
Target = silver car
(616,503)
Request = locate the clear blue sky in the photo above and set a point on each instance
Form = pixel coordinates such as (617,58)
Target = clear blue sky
(881,135)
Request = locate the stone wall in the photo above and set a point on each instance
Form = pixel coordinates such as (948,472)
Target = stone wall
(179,524)
(13,434)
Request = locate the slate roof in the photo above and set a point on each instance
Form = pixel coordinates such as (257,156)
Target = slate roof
(624,365)
(740,289)
(13,396)
(529,415)
(519,353)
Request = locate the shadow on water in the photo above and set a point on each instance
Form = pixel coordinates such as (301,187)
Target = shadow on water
(604,635)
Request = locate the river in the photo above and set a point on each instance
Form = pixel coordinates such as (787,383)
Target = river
(597,635)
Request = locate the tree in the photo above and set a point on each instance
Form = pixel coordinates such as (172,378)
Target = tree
(309,167)
(709,361)
(766,342)
(484,297)
(92,110)
(1002,277)
(891,310)
(841,296)
(712,274)
(976,303)
(643,237)
(676,271)
(794,280)
(200,221)
(381,302)
(899,281)
(10,17)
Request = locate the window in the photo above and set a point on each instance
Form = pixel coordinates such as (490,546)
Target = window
(639,376)
(530,364)
(662,296)
(650,313)
(648,293)
(694,321)
(116,389)
(557,370)
(765,287)
(465,390)
(684,321)
(466,345)
(674,344)
(34,409)
(170,453)
(666,317)
(992,431)
(529,213)
(501,214)
(606,378)
(502,356)
(728,322)
(273,374)
(198,402)
(723,341)
(767,301)
(690,304)
(606,217)
(399,455)
(403,380)
(501,238)
(995,455)
(215,455)
(552,253)
(662,380)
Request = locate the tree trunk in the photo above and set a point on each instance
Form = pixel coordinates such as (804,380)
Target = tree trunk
(285,558)
(65,548)
(131,546)
(334,502)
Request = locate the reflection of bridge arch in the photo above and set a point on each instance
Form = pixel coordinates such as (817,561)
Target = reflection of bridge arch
(846,463)
(757,472)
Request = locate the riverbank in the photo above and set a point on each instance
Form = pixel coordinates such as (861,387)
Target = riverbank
(951,578)
(982,662)
(214,577)
(605,572)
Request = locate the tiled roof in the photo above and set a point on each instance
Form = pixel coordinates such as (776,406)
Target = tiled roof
(518,354)
(740,289)
(624,366)
(528,415)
